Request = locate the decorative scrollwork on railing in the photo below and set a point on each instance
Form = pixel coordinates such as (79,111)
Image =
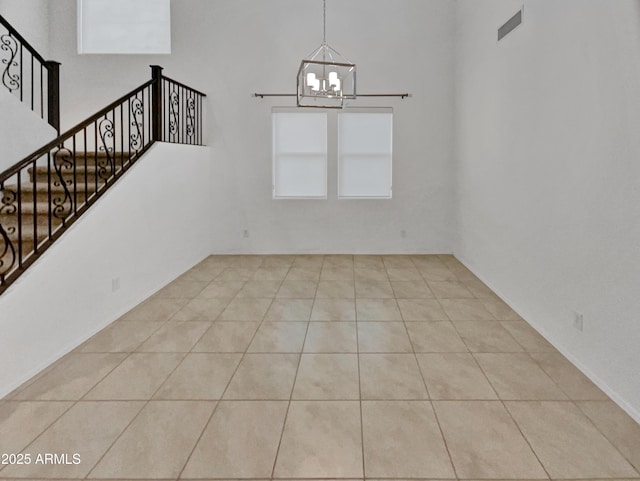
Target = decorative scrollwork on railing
(136,141)
(191,116)
(9,79)
(8,255)
(8,202)
(106,166)
(63,202)
(174,108)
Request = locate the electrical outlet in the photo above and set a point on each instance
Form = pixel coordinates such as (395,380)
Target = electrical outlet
(115,284)
(245,233)
(578,321)
(403,233)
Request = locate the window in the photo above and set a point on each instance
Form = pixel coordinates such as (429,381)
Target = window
(124,26)
(365,154)
(299,155)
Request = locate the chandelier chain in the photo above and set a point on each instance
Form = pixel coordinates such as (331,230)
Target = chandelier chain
(324,21)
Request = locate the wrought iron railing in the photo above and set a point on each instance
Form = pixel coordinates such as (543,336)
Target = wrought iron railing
(28,76)
(42,195)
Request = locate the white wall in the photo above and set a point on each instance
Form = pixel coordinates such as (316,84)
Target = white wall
(21,130)
(31,19)
(232,48)
(547,173)
(146,230)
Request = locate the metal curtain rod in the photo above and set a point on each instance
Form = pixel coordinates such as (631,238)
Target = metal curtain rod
(359,95)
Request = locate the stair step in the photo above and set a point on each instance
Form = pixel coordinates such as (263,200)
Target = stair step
(42,192)
(42,219)
(91,173)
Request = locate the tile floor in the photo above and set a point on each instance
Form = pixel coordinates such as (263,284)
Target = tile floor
(269,367)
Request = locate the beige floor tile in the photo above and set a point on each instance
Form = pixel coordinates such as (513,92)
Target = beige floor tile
(297,273)
(245,261)
(279,337)
(22,421)
(175,337)
(138,377)
(158,441)
(365,274)
(500,310)
(259,289)
(435,336)
(88,429)
(181,288)
(342,289)
(374,289)
(391,376)
(333,450)
(466,310)
(340,260)
(449,289)
(403,274)
(377,310)
(278,260)
(457,267)
(120,336)
(516,376)
(416,289)
(567,443)
(331,337)
(454,376)
(245,310)
(421,310)
(484,442)
(201,309)
(297,289)
(368,262)
(477,288)
(327,376)
(237,273)
(383,337)
(486,336)
(71,377)
(205,271)
(436,272)
(574,384)
(224,336)
(264,376)
(241,441)
(154,309)
(619,428)
(418,453)
(527,336)
(395,261)
(309,261)
(222,289)
(290,310)
(331,272)
(334,310)
(200,376)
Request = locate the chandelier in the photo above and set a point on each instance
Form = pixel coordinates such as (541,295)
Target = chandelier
(325,78)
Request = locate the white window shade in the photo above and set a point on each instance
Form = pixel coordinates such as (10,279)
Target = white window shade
(299,155)
(365,148)
(124,26)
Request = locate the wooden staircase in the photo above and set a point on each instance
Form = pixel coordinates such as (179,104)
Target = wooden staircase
(44,193)
(54,192)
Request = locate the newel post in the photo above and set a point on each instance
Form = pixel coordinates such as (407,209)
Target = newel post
(156,102)
(53,94)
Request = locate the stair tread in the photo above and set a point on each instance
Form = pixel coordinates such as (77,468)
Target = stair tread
(44,186)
